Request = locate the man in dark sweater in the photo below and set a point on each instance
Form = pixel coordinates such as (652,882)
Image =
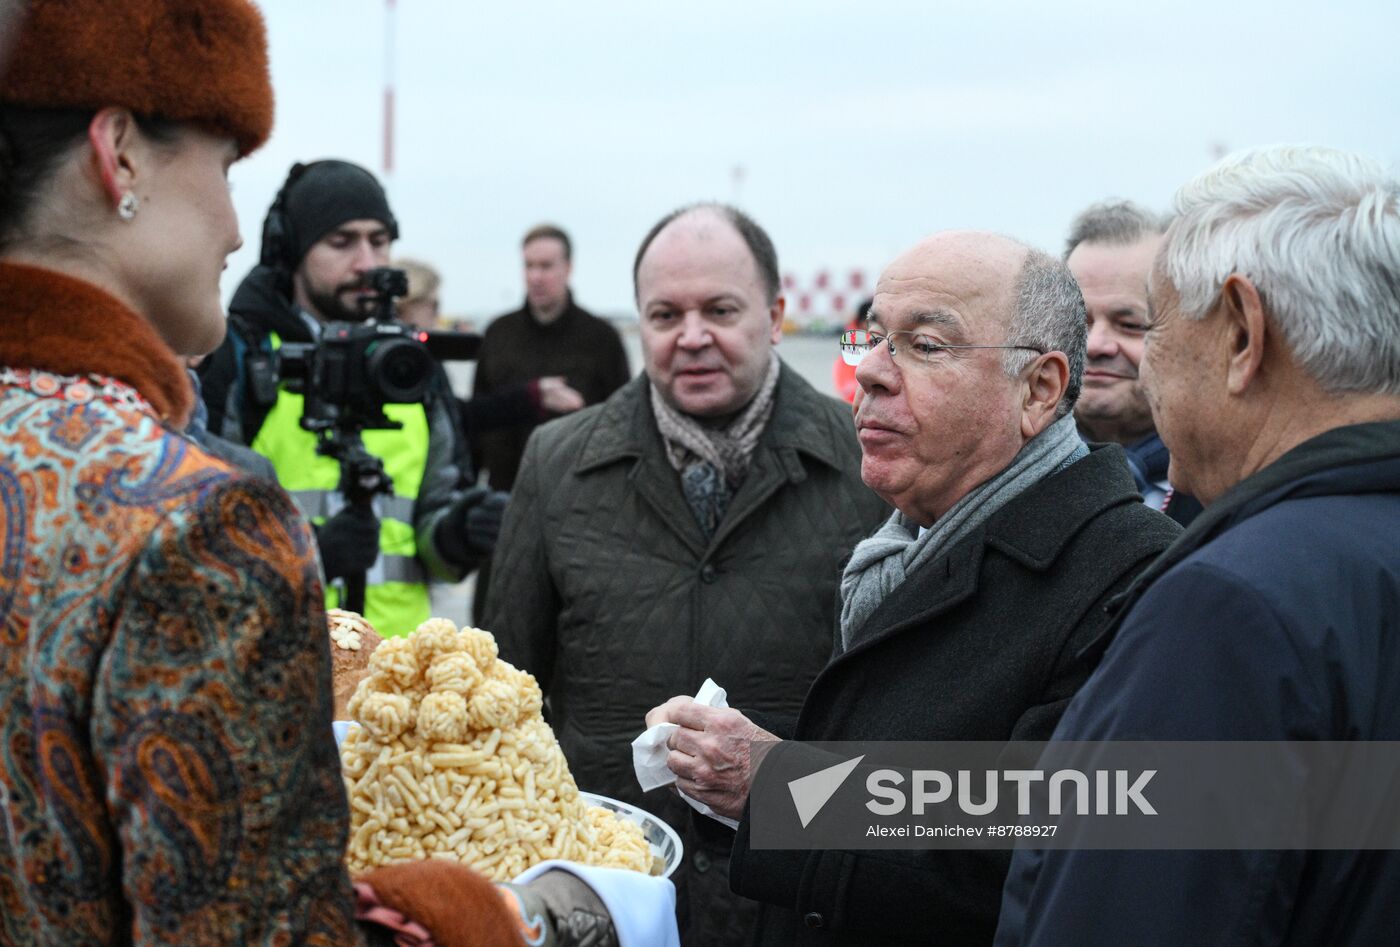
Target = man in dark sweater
(549,338)
(550,335)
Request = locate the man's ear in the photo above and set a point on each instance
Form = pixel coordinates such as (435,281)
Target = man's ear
(1045,384)
(1244,331)
(775,313)
(115,141)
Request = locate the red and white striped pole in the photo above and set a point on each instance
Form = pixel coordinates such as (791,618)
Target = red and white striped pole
(389,43)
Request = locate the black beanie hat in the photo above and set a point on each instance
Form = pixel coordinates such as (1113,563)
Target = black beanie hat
(317,198)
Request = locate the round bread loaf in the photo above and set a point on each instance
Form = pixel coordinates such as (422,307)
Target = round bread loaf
(353,640)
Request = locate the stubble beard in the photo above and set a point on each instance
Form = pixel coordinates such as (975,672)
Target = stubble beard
(331,306)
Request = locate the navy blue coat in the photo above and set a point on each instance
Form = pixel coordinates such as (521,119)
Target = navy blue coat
(1276,616)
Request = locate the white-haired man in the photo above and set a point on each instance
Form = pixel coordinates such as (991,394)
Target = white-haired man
(1273,369)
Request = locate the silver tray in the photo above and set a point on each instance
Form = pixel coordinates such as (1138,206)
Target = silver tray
(665,844)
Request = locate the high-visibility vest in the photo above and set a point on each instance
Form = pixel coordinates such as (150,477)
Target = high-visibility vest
(396,588)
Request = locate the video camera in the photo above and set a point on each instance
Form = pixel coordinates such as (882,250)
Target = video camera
(357,368)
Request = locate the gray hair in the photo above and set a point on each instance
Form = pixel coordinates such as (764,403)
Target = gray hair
(1116,223)
(1049,316)
(1317,231)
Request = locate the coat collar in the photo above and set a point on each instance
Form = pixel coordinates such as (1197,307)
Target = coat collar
(260,302)
(59,324)
(626,428)
(1332,462)
(570,315)
(626,433)
(1033,529)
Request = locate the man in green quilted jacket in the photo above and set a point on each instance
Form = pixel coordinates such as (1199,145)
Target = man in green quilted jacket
(693,525)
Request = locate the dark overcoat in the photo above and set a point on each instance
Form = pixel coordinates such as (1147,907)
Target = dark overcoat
(983,642)
(607,590)
(1276,617)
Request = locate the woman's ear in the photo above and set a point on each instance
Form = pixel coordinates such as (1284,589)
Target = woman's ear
(115,141)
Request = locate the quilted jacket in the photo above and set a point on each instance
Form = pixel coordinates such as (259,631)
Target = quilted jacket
(605,588)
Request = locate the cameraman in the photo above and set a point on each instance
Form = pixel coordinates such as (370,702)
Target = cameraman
(329,225)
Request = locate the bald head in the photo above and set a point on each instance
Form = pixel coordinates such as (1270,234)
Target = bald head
(977,246)
(974,369)
(704,228)
(1021,296)
(711,219)
(970,269)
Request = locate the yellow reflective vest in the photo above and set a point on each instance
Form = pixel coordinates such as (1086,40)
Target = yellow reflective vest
(396,588)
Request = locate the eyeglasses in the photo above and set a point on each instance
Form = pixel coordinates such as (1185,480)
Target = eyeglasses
(858,343)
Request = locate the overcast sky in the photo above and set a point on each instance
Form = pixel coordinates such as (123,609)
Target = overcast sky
(860,126)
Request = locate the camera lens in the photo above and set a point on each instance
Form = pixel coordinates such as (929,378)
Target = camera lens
(400,370)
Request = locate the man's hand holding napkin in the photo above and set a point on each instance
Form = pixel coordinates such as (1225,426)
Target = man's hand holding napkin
(705,748)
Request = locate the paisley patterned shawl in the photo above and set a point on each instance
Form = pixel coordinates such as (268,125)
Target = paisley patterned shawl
(166,760)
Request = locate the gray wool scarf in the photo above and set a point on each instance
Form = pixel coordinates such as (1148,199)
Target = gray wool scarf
(712,462)
(879,564)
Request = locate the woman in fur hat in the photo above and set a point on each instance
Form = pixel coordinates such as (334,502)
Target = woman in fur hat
(166,763)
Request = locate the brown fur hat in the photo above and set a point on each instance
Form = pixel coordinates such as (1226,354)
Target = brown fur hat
(202,62)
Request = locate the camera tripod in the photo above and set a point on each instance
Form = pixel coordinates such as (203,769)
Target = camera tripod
(362,477)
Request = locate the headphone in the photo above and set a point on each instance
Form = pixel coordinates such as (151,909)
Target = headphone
(278,237)
(342,191)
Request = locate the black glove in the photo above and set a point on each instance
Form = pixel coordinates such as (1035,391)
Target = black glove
(469,528)
(483,524)
(349,542)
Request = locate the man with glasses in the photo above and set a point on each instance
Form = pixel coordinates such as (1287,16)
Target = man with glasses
(693,525)
(968,614)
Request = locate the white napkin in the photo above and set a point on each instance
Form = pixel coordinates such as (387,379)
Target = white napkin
(649,753)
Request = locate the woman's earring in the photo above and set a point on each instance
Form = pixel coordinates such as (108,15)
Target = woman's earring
(126,207)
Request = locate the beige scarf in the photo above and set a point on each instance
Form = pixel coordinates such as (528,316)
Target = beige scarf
(712,462)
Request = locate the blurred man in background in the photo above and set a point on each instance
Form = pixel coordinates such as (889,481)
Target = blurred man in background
(526,404)
(568,356)
(1110,250)
(551,335)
